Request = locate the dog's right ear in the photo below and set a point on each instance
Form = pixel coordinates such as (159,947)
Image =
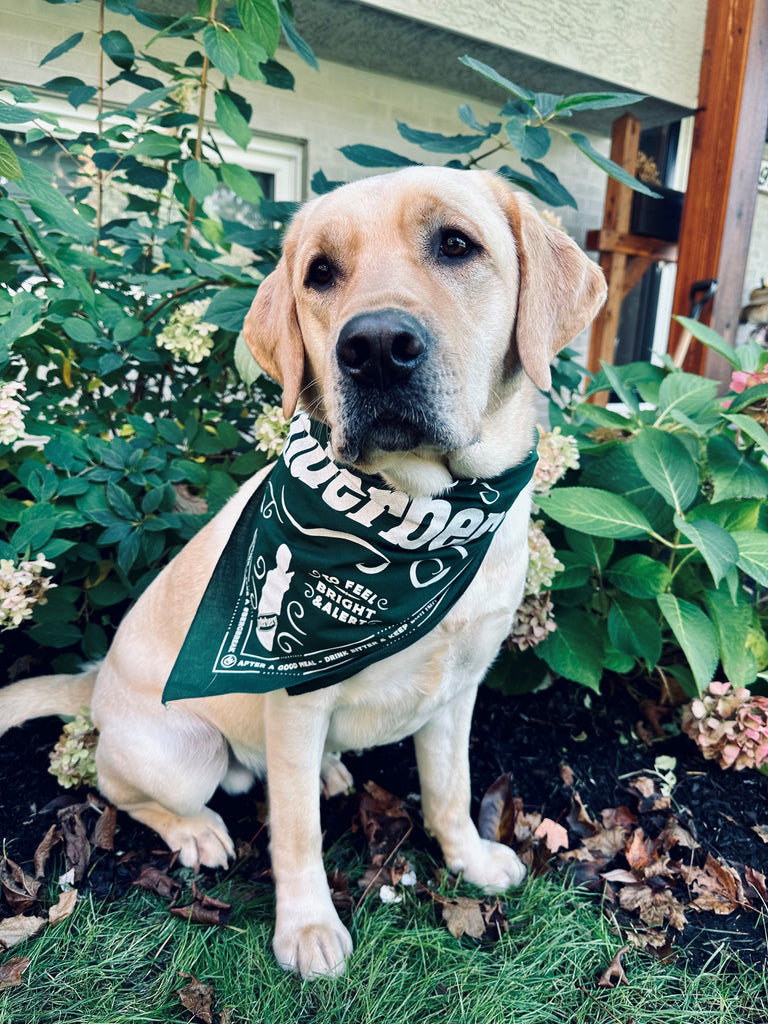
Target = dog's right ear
(271,329)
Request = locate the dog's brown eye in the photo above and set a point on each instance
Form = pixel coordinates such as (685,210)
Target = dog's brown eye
(454,245)
(320,273)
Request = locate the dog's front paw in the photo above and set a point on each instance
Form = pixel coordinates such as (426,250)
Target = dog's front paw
(202,840)
(335,777)
(313,950)
(493,867)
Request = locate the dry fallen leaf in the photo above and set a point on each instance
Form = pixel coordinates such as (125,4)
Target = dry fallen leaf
(498,811)
(554,835)
(383,818)
(103,836)
(613,974)
(641,852)
(17,929)
(197,998)
(204,910)
(77,849)
(762,831)
(758,882)
(463,916)
(621,817)
(567,776)
(654,906)
(652,799)
(158,882)
(19,889)
(11,972)
(579,819)
(675,834)
(64,907)
(43,851)
(716,887)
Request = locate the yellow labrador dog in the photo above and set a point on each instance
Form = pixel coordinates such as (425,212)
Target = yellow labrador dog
(415,314)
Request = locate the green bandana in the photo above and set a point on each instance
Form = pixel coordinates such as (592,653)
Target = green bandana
(328,570)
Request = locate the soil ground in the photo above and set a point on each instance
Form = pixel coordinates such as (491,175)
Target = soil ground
(531,736)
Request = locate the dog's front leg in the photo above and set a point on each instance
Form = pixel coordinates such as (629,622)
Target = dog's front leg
(309,937)
(442,751)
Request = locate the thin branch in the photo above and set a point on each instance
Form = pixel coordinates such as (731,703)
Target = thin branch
(177,295)
(200,130)
(32,252)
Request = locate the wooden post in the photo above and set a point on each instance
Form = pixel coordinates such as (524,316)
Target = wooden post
(616,217)
(728,140)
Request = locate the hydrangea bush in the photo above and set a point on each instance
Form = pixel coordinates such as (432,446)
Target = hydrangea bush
(124,421)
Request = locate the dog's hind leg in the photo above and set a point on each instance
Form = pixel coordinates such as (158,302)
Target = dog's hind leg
(163,773)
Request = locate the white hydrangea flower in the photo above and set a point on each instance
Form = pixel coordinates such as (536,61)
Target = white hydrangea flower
(72,760)
(271,430)
(557,454)
(542,562)
(12,412)
(186,334)
(22,586)
(388,894)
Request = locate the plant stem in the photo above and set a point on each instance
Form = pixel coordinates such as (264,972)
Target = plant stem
(32,252)
(100,111)
(177,295)
(200,129)
(481,156)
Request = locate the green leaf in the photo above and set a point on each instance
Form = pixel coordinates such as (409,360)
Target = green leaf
(758,393)
(261,20)
(733,473)
(717,546)
(57,51)
(531,141)
(633,631)
(434,142)
(612,169)
(573,574)
(250,56)
(36,183)
(497,79)
(598,100)
(242,183)
(545,185)
(467,115)
(9,164)
(750,427)
(622,388)
(686,392)
(575,649)
(667,465)
(695,634)
(156,146)
(590,510)
(595,551)
(753,554)
(374,156)
(199,178)
(229,307)
(297,43)
(731,515)
(118,48)
(78,329)
(221,49)
(733,622)
(231,121)
(640,576)
(245,364)
(121,502)
(709,337)
(10,113)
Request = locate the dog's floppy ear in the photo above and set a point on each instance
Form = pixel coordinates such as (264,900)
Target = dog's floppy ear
(271,329)
(561,289)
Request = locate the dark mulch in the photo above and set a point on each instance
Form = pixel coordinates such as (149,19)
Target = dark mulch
(530,736)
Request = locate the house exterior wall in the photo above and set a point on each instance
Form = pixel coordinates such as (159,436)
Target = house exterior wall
(647,45)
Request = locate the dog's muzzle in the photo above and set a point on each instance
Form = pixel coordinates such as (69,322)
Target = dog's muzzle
(381,350)
(387,386)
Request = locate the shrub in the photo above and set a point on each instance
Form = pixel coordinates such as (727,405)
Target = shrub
(661,530)
(124,422)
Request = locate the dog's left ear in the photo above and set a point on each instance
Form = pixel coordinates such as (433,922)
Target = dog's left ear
(561,289)
(271,329)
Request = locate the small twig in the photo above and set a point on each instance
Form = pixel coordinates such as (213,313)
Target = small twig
(389,858)
(32,252)
(600,1003)
(176,295)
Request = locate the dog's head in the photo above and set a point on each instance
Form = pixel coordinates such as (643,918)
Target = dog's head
(412,311)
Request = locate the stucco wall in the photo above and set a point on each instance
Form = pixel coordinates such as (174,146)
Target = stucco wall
(651,46)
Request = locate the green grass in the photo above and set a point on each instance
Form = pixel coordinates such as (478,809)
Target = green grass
(121,962)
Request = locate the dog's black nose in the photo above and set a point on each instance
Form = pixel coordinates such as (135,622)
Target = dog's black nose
(381,348)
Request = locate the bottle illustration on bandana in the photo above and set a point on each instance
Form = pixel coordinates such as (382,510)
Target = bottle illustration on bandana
(277,582)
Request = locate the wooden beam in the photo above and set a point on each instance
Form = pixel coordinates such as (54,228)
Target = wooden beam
(729,135)
(616,217)
(632,245)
